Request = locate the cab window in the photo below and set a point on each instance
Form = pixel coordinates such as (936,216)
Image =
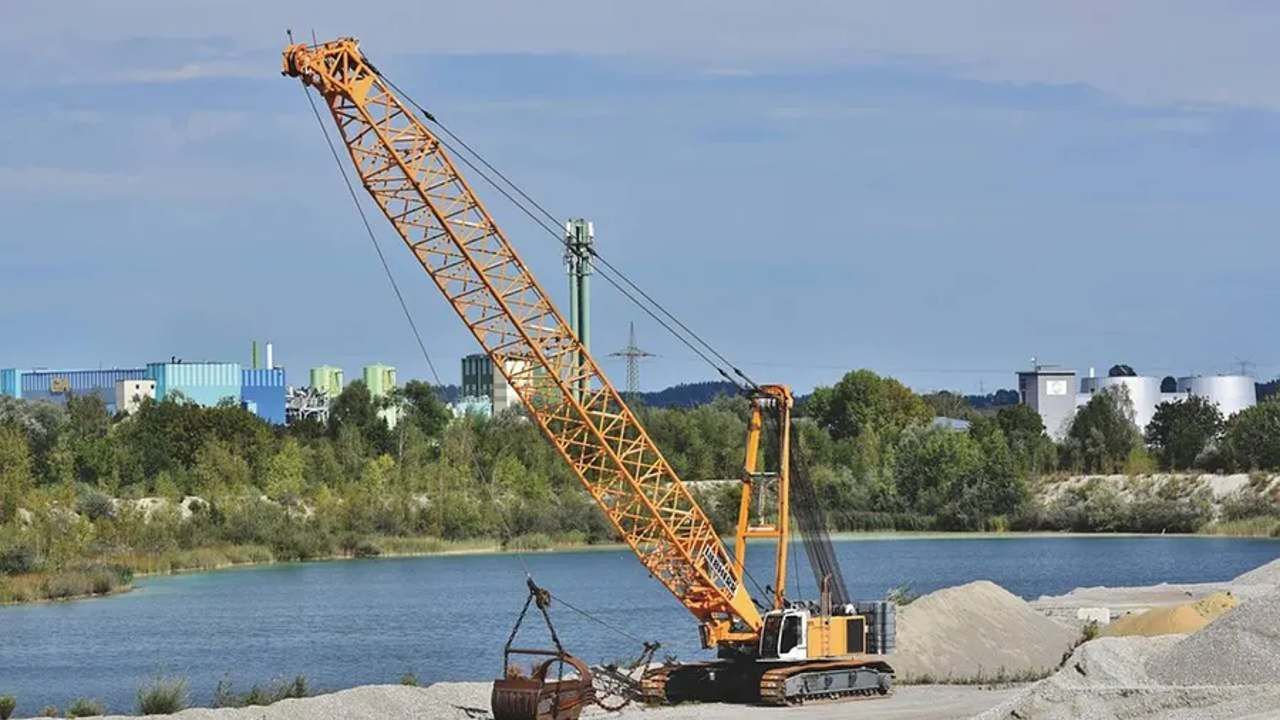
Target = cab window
(790,634)
(769,637)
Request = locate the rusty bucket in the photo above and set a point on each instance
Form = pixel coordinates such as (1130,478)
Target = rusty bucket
(557,689)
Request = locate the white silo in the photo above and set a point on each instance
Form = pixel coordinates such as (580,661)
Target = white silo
(1144,393)
(1232,393)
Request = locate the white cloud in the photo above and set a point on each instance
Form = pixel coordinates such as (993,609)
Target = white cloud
(192,71)
(1143,51)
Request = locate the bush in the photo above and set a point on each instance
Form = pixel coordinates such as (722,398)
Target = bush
(409,678)
(163,696)
(84,707)
(902,595)
(17,558)
(225,696)
(49,711)
(1247,503)
(95,505)
(529,542)
(91,580)
(7,704)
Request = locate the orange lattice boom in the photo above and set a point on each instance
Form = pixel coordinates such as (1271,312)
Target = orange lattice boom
(404,167)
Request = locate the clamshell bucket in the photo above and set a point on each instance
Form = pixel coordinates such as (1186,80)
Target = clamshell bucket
(557,689)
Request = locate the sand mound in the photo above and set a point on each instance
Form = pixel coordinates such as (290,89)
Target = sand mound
(976,630)
(1240,648)
(1177,620)
(1268,574)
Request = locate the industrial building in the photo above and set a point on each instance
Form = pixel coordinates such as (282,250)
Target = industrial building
(1055,393)
(483,389)
(57,385)
(381,380)
(327,379)
(131,393)
(204,383)
(260,390)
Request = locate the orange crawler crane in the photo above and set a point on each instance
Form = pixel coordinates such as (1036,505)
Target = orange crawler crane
(776,652)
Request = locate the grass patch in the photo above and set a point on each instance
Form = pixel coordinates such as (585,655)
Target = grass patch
(1244,527)
(205,558)
(163,696)
(258,695)
(84,707)
(65,584)
(395,545)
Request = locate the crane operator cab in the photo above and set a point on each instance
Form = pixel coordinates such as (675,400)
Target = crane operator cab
(800,632)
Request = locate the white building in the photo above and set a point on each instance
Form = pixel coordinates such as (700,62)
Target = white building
(1053,392)
(131,393)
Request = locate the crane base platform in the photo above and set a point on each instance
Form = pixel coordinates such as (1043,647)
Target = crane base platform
(767,683)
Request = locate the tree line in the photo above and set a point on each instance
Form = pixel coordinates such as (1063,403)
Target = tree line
(72,478)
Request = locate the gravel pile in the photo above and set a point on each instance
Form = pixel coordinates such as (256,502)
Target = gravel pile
(1240,648)
(1268,574)
(443,701)
(1229,669)
(978,630)
(1105,678)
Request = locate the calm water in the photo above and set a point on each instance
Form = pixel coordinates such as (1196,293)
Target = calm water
(446,618)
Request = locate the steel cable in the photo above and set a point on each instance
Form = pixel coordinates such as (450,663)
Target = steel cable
(386,267)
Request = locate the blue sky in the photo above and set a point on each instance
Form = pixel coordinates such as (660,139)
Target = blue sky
(937,191)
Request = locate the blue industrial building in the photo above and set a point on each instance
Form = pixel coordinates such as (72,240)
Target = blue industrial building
(204,383)
(262,392)
(57,385)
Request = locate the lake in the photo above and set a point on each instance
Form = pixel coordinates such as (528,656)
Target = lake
(446,618)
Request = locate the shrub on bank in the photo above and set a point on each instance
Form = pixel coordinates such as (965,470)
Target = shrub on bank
(163,696)
(7,704)
(225,695)
(84,707)
(865,521)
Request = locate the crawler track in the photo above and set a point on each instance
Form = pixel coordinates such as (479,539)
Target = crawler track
(768,684)
(825,681)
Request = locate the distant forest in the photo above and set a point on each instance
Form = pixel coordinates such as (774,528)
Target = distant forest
(687,395)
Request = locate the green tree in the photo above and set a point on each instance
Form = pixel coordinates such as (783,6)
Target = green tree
(219,467)
(15,470)
(1102,434)
(1252,437)
(934,465)
(355,407)
(1180,431)
(93,453)
(863,400)
(423,408)
(945,403)
(1024,431)
(285,472)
